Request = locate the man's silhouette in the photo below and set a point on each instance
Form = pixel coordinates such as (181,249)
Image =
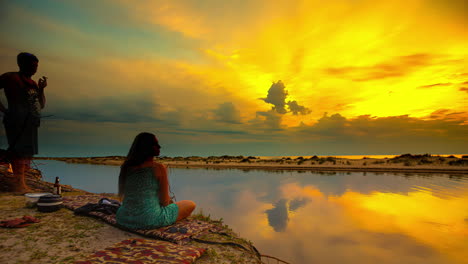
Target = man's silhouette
(22,118)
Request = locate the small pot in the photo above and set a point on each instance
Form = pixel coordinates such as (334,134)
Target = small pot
(32,198)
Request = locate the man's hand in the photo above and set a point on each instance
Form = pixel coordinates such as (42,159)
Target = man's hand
(42,82)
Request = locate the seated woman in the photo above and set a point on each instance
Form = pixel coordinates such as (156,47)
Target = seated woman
(144,189)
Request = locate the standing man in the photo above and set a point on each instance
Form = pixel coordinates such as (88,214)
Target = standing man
(22,118)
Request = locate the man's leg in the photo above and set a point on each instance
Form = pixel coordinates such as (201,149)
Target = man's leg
(19,166)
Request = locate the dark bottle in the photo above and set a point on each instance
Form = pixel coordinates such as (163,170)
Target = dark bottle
(57,187)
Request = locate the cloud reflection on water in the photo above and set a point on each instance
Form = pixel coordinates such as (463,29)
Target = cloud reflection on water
(384,227)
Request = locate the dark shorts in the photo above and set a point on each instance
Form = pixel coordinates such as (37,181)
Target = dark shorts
(21,132)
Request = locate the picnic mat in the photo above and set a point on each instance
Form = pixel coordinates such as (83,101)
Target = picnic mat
(193,227)
(138,251)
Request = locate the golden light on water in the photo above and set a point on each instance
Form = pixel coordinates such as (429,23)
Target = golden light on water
(432,220)
(423,224)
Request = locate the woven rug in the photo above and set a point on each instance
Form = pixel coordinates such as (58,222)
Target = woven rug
(193,227)
(139,251)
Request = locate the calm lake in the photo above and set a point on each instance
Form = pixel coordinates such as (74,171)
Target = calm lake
(316,217)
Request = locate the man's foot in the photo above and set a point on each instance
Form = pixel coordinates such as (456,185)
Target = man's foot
(22,189)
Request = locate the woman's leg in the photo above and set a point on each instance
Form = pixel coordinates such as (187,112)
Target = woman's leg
(186,207)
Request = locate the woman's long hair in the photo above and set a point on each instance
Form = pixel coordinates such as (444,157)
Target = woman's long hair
(141,150)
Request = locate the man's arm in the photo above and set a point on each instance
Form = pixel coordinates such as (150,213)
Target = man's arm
(2,108)
(42,84)
(42,99)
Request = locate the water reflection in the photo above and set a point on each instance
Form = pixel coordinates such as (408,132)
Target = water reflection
(342,217)
(337,217)
(278,216)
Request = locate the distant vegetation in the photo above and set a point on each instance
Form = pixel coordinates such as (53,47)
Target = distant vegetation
(402,160)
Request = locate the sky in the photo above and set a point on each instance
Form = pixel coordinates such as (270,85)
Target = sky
(247,77)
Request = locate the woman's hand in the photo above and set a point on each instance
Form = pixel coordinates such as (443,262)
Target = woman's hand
(42,82)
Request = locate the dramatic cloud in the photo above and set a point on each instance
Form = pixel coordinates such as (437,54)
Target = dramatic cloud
(169,66)
(435,85)
(228,113)
(442,123)
(297,109)
(270,120)
(448,115)
(398,67)
(128,109)
(277,97)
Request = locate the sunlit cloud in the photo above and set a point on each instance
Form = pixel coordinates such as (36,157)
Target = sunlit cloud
(433,85)
(193,68)
(398,67)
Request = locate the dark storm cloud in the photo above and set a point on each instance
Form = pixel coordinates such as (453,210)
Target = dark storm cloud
(214,131)
(123,109)
(447,115)
(228,113)
(329,125)
(398,67)
(296,109)
(440,124)
(441,132)
(277,97)
(269,120)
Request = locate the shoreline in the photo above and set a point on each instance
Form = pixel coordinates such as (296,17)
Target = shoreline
(317,168)
(406,163)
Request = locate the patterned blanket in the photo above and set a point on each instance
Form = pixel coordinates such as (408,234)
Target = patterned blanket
(145,251)
(191,227)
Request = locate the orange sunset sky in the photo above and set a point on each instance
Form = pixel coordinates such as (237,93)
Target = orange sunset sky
(248,77)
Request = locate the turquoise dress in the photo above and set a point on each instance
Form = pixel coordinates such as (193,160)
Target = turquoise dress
(141,208)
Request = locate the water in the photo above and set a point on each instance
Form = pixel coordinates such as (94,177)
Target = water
(312,217)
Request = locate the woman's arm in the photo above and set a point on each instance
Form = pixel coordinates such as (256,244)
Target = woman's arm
(161,175)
